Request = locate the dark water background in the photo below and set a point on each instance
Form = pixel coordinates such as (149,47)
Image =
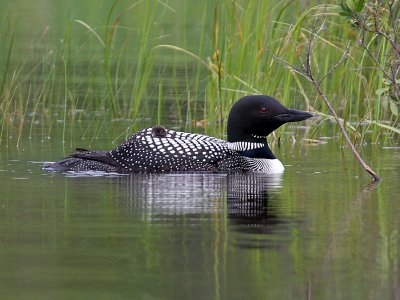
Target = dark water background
(321,230)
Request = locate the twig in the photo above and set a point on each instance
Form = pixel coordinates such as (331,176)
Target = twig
(294,46)
(307,72)
(366,167)
(341,60)
(311,43)
(364,45)
(379,30)
(291,67)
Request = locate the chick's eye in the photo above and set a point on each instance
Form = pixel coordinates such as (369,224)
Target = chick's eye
(263,110)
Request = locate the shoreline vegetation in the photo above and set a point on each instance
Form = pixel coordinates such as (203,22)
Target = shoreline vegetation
(128,61)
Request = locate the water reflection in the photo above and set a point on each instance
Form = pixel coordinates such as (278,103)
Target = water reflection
(244,199)
(248,202)
(160,196)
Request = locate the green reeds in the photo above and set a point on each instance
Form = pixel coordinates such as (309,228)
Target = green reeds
(217,51)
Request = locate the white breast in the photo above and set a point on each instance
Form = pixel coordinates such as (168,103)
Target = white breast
(270,166)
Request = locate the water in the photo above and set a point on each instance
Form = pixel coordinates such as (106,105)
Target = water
(319,230)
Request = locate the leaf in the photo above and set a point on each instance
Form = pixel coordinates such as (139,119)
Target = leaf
(351,4)
(394,108)
(360,5)
(91,30)
(395,98)
(345,9)
(394,129)
(380,91)
(185,52)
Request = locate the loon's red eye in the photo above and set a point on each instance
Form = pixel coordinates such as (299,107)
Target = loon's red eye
(263,110)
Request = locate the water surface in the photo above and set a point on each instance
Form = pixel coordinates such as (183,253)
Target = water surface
(320,229)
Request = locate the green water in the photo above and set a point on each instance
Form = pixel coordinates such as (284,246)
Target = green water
(321,230)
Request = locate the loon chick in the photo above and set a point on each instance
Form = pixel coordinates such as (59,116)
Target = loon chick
(158,149)
(159,131)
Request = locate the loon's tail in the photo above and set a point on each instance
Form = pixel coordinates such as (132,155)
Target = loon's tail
(86,160)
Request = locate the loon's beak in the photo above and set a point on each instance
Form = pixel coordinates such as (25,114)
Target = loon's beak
(293,115)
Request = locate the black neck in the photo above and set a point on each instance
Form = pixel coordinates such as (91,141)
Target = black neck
(240,136)
(238,133)
(263,152)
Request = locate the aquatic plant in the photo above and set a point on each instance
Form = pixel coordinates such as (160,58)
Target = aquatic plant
(306,70)
(124,61)
(378,22)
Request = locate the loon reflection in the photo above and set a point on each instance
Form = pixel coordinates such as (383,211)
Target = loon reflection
(249,204)
(252,200)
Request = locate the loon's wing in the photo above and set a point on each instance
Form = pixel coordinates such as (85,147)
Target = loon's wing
(177,151)
(86,160)
(169,133)
(101,156)
(160,150)
(192,136)
(235,146)
(180,135)
(145,152)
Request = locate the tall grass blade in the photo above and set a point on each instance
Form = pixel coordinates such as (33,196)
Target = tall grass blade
(92,31)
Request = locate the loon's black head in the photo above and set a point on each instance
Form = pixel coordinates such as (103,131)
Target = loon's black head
(254,117)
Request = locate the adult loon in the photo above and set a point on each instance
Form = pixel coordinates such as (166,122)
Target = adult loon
(157,149)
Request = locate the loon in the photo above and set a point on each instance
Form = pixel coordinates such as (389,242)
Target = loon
(157,149)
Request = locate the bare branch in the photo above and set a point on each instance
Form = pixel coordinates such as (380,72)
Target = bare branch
(353,149)
(291,67)
(370,54)
(307,72)
(393,19)
(295,46)
(341,60)
(391,41)
(314,33)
